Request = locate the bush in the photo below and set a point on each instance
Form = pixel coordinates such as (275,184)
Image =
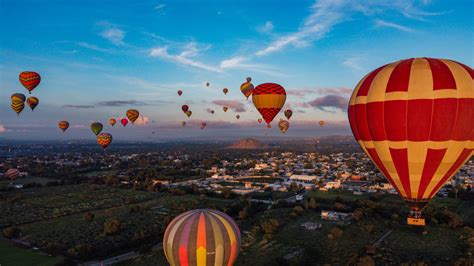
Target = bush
(269,226)
(335,233)
(89,217)
(11,232)
(112,226)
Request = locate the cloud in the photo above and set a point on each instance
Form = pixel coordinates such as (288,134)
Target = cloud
(304,92)
(80,126)
(121,103)
(240,62)
(78,106)
(341,90)
(236,106)
(3,129)
(113,34)
(94,47)
(354,63)
(382,23)
(326,14)
(266,28)
(185,56)
(330,103)
(142,121)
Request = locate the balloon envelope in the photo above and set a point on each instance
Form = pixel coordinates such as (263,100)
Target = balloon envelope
(124,121)
(29,80)
(32,102)
(185,108)
(12,173)
(414,119)
(202,237)
(96,128)
(288,114)
(104,140)
(132,115)
(283,125)
(63,125)
(112,121)
(180,92)
(269,98)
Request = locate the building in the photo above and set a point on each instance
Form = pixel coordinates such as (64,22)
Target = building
(304,178)
(335,216)
(311,226)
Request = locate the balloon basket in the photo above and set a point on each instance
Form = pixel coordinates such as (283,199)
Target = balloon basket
(416,221)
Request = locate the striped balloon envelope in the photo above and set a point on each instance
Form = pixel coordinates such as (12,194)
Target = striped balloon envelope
(132,115)
(414,119)
(104,140)
(32,102)
(202,237)
(12,173)
(29,80)
(269,98)
(63,125)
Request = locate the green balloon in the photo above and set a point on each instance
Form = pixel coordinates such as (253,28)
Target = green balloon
(96,128)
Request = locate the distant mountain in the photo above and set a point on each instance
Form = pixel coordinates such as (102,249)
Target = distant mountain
(248,144)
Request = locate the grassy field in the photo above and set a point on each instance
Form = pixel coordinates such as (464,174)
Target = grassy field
(26,180)
(11,255)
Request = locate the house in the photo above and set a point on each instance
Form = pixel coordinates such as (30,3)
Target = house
(304,178)
(335,216)
(311,226)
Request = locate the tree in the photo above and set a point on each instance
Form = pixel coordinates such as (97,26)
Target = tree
(112,226)
(243,213)
(335,233)
(89,217)
(11,232)
(312,203)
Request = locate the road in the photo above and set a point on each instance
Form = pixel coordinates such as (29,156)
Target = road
(292,199)
(382,238)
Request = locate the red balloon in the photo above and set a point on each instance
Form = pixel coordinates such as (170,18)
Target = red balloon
(124,121)
(185,108)
(180,92)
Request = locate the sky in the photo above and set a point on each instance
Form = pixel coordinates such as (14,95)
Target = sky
(99,58)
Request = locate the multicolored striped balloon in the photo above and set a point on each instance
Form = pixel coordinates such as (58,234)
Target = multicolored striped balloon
(18,98)
(202,237)
(112,121)
(32,102)
(12,173)
(132,115)
(415,119)
(29,80)
(247,88)
(104,140)
(18,107)
(269,98)
(283,125)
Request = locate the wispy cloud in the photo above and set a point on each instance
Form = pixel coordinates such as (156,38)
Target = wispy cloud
(353,62)
(330,103)
(185,56)
(382,23)
(325,14)
(122,103)
(142,121)
(236,106)
(94,47)
(265,28)
(78,106)
(112,33)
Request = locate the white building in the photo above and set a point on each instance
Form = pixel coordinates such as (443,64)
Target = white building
(304,178)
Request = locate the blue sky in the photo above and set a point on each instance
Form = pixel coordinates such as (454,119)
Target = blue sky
(99,58)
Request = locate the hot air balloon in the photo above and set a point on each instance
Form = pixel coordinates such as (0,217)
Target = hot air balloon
(132,115)
(247,88)
(96,127)
(12,173)
(180,92)
(124,121)
(104,140)
(18,107)
(414,119)
(269,98)
(112,121)
(203,125)
(212,111)
(207,84)
(183,123)
(260,120)
(288,113)
(185,108)
(237,116)
(18,98)
(189,113)
(321,123)
(202,237)
(63,125)
(225,90)
(283,125)
(29,80)
(225,108)
(32,102)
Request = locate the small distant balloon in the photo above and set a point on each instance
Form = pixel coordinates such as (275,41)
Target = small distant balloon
(104,140)
(183,123)
(132,115)
(321,123)
(203,125)
(247,88)
(225,108)
(29,79)
(112,121)
(32,102)
(185,108)
(189,113)
(12,173)
(225,90)
(207,84)
(124,121)
(180,92)
(96,128)
(63,125)
(237,116)
(288,114)
(283,125)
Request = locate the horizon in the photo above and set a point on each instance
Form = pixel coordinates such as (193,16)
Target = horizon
(110,62)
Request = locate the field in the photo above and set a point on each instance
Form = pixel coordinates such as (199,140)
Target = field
(11,255)
(26,180)
(54,219)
